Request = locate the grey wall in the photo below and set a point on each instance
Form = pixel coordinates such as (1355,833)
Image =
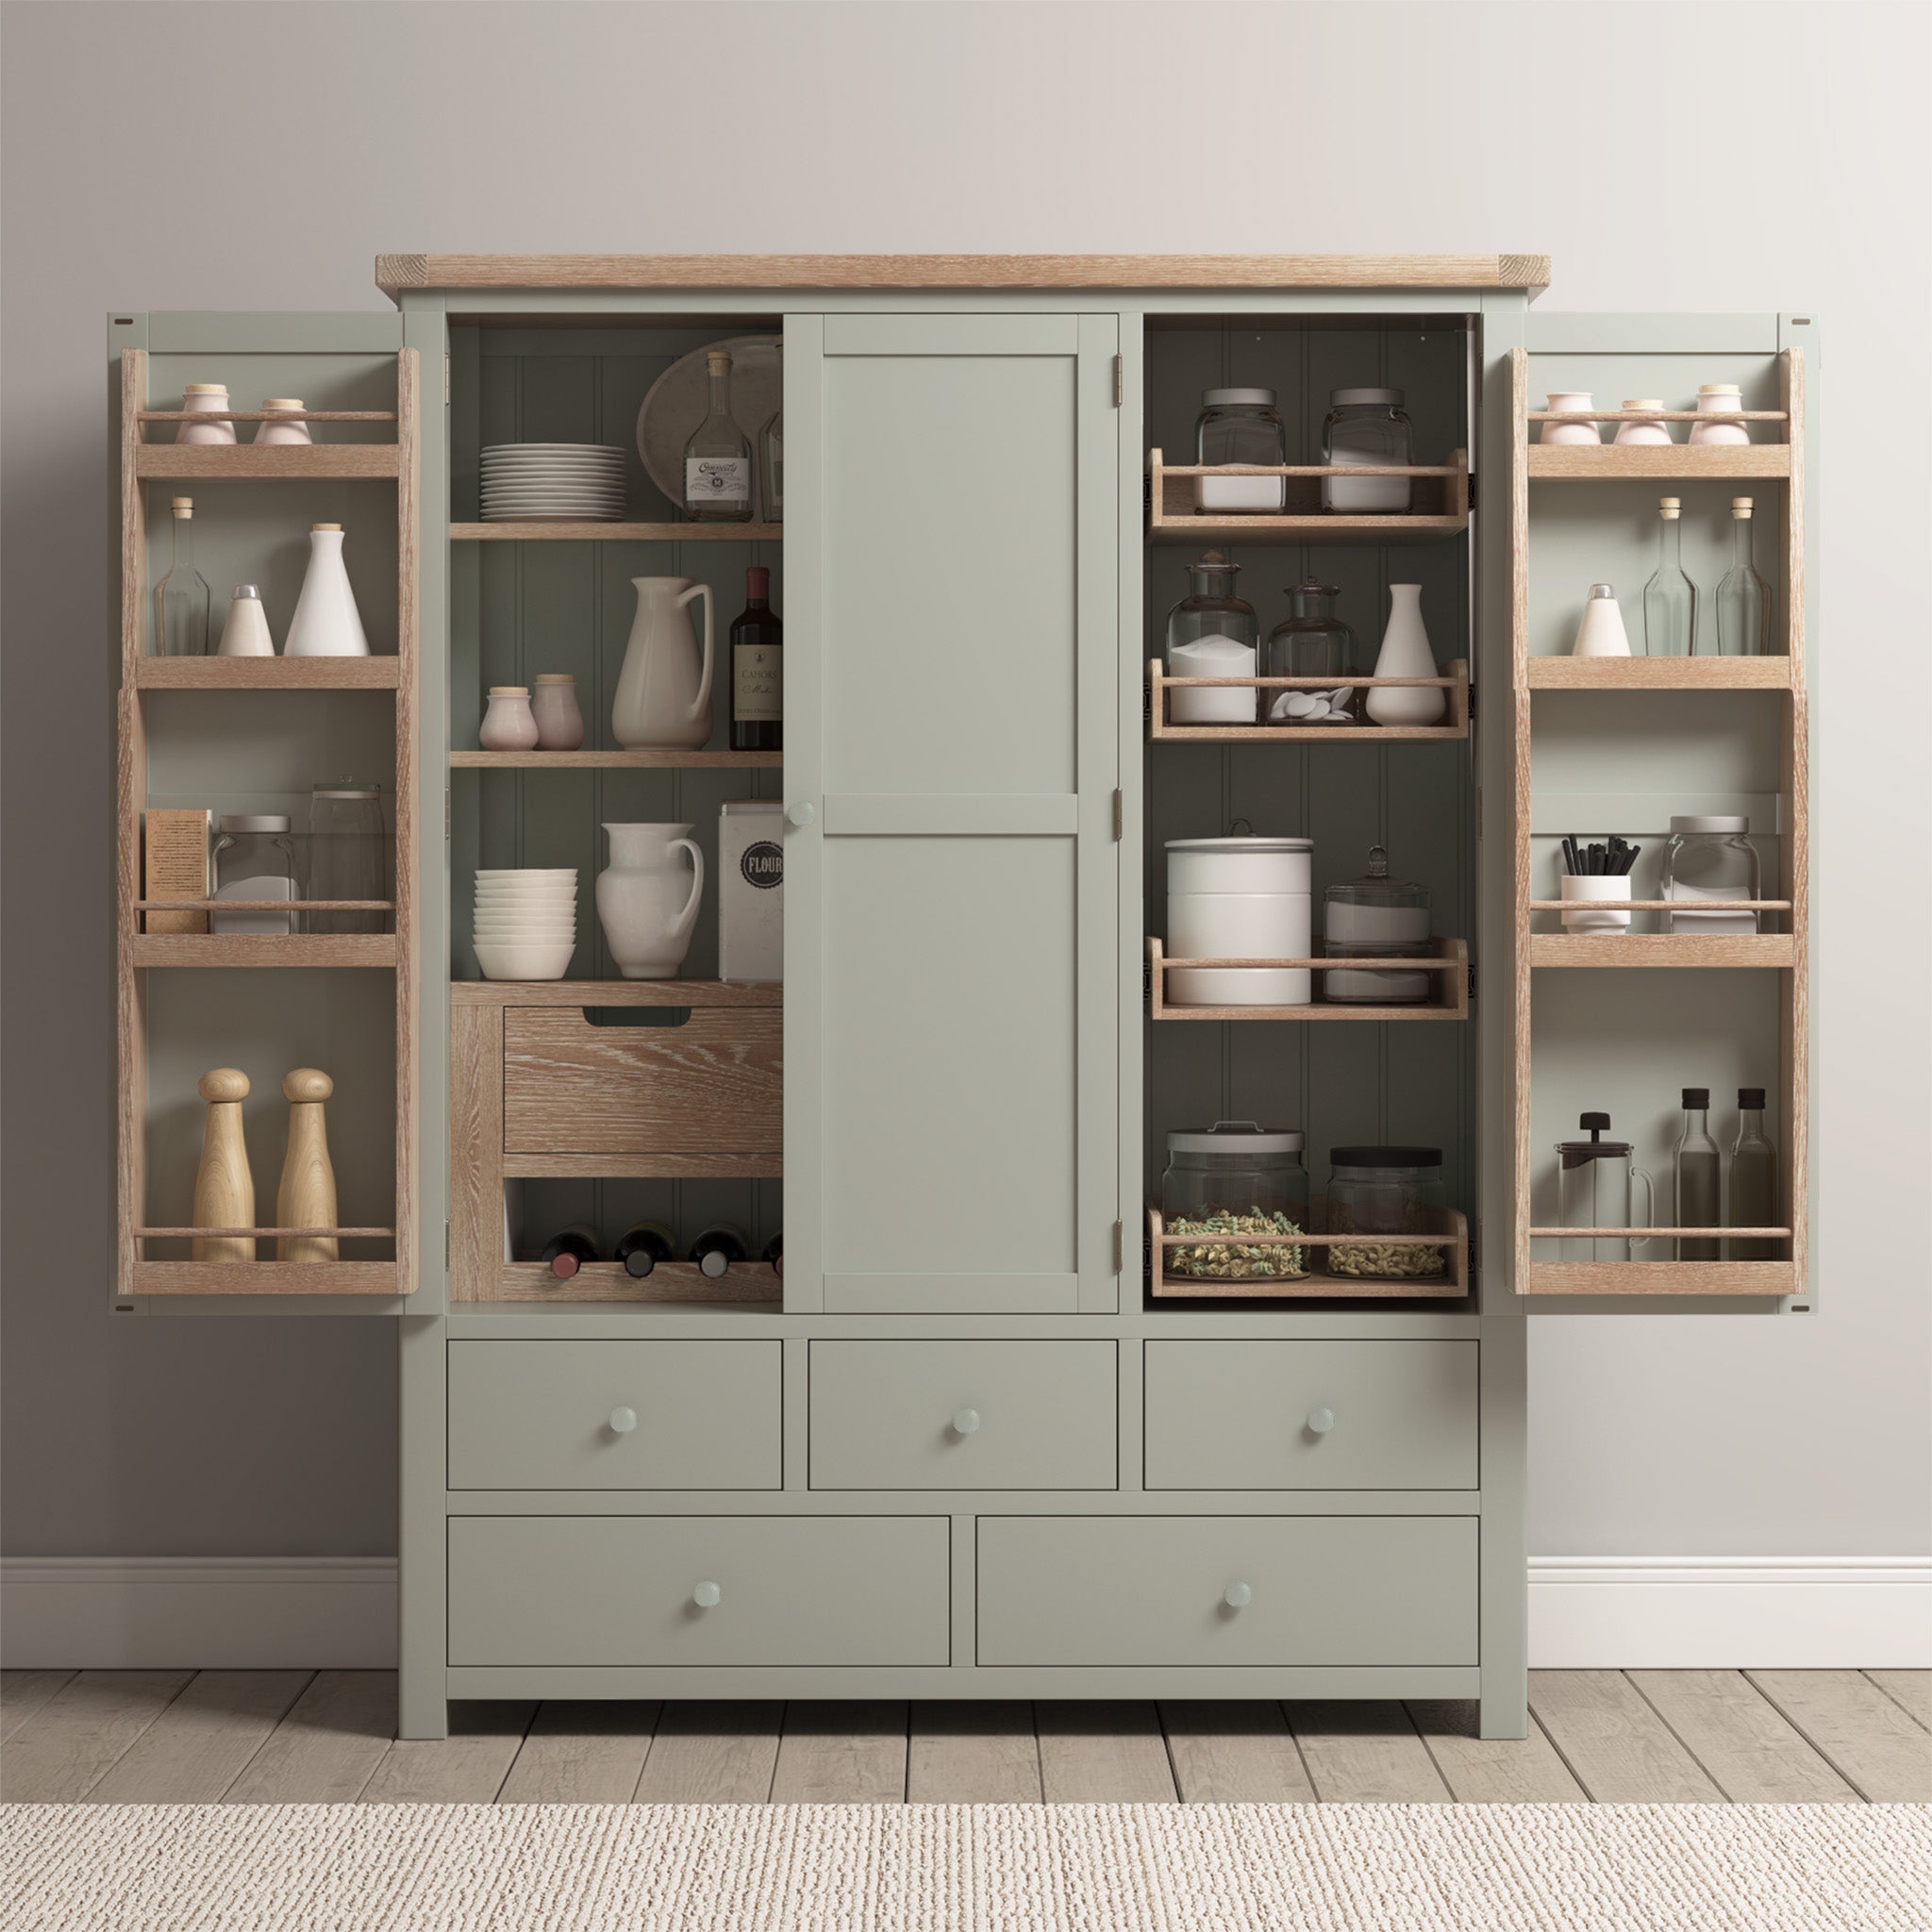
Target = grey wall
(210,156)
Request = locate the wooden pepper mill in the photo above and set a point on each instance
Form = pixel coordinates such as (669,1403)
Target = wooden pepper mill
(307,1197)
(224,1187)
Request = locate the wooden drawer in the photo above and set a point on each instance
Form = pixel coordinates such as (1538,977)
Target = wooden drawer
(964,1415)
(1248,1415)
(712,1083)
(540,1415)
(1322,1589)
(610,1590)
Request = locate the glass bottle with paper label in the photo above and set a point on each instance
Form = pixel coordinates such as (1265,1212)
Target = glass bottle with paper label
(717,459)
(758,673)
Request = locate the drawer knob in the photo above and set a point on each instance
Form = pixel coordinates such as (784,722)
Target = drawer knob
(1236,1596)
(803,813)
(706,1596)
(1321,1421)
(622,1420)
(965,1421)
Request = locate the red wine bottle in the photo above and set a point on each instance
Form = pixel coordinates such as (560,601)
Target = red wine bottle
(716,1249)
(568,1250)
(758,677)
(643,1247)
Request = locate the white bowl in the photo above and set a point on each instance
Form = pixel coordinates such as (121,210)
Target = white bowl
(527,871)
(525,959)
(503,893)
(526,929)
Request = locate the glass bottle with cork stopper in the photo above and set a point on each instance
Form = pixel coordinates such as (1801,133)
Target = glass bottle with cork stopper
(1670,598)
(181,597)
(717,459)
(1744,598)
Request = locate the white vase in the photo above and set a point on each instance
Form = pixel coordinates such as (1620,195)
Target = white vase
(663,699)
(1406,653)
(647,901)
(1601,632)
(245,634)
(326,623)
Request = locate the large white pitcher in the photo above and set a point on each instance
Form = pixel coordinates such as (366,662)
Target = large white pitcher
(646,901)
(664,691)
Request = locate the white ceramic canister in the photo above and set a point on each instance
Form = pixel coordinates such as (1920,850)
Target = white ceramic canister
(1601,633)
(560,723)
(1589,918)
(1715,399)
(1569,402)
(1651,430)
(508,725)
(326,623)
(1240,897)
(210,399)
(245,633)
(295,431)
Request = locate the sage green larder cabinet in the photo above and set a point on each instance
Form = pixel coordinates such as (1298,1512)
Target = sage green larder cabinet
(984,1434)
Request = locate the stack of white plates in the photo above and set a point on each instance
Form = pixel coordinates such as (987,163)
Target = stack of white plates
(553,483)
(526,923)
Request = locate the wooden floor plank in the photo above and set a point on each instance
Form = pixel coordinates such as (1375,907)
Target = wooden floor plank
(1234,1754)
(1620,1751)
(707,1753)
(467,1767)
(1493,1771)
(1103,1754)
(63,1749)
(1750,1751)
(202,1743)
(1911,1691)
(1882,1753)
(973,1754)
(589,1752)
(327,1747)
(23,1693)
(841,1753)
(1365,1753)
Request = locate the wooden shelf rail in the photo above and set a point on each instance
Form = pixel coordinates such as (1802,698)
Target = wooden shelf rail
(575,531)
(1450,961)
(1438,495)
(616,760)
(1455,681)
(1451,1235)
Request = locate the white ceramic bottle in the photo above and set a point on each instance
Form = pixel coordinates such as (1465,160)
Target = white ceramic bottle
(664,691)
(1651,430)
(508,725)
(295,430)
(646,901)
(1713,400)
(209,399)
(326,623)
(1406,653)
(1601,634)
(245,633)
(1569,402)
(560,723)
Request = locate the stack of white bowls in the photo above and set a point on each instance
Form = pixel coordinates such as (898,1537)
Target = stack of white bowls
(525,922)
(553,483)
(1240,898)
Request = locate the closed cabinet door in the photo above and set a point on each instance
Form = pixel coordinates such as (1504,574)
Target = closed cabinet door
(951,871)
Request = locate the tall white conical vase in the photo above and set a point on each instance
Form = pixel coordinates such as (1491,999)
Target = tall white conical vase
(1406,653)
(326,623)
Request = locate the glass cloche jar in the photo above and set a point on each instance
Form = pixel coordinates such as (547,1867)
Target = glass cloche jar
(1375,917)
(1235,1178)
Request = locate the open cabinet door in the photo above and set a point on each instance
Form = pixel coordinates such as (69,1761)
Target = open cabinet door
(1620,1009)
(952,877)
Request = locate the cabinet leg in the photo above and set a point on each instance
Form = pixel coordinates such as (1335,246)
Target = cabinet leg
(420,1717)
(1502,1714)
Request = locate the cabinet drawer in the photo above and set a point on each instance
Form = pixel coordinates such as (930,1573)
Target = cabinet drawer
(712,1084)
(1320,1589)
(551,1415)
(1250,1415)
(610,1590)
(964,1415)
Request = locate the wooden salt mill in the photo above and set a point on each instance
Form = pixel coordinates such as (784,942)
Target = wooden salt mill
(307,1197)
(224,1187)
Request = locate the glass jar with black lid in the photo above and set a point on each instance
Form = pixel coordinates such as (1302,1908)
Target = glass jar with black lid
(1378,1191)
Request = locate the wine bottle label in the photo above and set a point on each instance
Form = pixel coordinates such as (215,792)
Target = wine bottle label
(757,685)
(717,479)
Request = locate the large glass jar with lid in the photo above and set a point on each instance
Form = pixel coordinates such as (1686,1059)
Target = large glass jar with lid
(1311,641)
(254,860)
(1375,917)
(1367,428)
(1228,1181)
(1239,425)
(348,855)
(1378,1191)
(1710,858)
(1212,633)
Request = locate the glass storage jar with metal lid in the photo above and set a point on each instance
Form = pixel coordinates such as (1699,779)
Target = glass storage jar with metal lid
(348,855)
(1231,1180)
(1375,917)
(255,859)
(1311,641)
(1367,428)
(1239,425)
(1710,858)
(1378,1191)
(1212,633)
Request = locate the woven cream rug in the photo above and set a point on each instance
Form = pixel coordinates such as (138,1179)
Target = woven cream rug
(932,1868)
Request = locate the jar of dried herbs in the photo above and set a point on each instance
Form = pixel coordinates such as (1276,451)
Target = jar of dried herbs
(1243,1190)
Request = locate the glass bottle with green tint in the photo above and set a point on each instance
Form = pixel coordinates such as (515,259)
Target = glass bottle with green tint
(1699,1196)
(1754,1179)
(717,459)
(1744,598)
(1670,598)
(181,596)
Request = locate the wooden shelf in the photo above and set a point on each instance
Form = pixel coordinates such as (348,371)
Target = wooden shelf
(616,533)
(265,416)
(614,993)
(1665,1277)
(267,673)
(1611,462)
(288,462)
(1451,1233)
(1660,674)
(264,1278)
(643,1167)
(616,760)
(1662,949)
(1159,729)
(1439,495)
(605,1281)
(1450,964)
(264,949)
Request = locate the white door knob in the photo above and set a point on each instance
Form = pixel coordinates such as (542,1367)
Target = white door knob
(1236,1596)
(706,1596)
(802,812)
(622,1420)
(965,1421)
(1321,1421)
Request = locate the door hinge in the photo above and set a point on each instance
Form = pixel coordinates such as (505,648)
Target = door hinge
(445,814)
(1471,491)
(1120,814)
(1468,702)
(1120,1247)
(1146,981)
(445,378)
(1471,979)
(1475,1249)
(1120,381)
(445,1247)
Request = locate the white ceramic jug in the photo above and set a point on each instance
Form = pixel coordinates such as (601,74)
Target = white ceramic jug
(646,902)
(1406,653)
(326,623)
(664,691)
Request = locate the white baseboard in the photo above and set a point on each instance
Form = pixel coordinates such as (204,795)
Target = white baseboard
(1584,1613)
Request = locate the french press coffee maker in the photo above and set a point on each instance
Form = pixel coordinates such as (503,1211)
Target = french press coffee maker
(1596,1175)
